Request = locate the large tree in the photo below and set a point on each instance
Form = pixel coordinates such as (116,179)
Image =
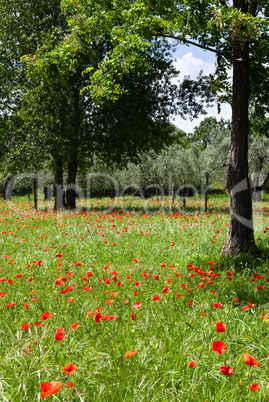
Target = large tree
(237,32)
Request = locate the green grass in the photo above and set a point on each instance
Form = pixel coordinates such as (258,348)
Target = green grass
(167,333)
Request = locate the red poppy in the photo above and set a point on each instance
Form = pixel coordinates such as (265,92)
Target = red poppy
(179,295)
(132,316)
(70,385)
(218,346)
(74,326)
(137,284)
(162,265)
(227,370)
(245,308)
(46,316)
(25,326)
(69,369)
(211,263)
(250,360)
(220,327)
(60,335)
(135,260)
(98,317)
(193,363)
(156,277)
(130,354)
(50,388)
(218,305)
(258,276)
(137,304)
(254,387)
(2,294)
(156,297)
(136,293)
(260,287)
(165,289)
(251,304)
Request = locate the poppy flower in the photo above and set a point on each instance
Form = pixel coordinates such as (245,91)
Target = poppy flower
(69,369)
(220,327)
(193,363)
(98,317)
(137,304)
(260,287)
(74,326)
(46,316)
(2,294)
(226,370)
(108,302)
(211,263)
(165,289)
(132,316)
(218,305)
(179,295)
(218,346)
(70,385)
(245,308)
(137,284)
(50,388)
(130,354)
(251,304)
(156,277)
(136,293)
(135,260)
(60,335)
(156,297)
(250,360)
(90,313)
(254,387)
(25,326)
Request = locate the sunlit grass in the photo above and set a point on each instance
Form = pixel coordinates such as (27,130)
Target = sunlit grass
(128,248)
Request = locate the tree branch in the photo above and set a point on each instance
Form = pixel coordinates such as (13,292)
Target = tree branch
(253,8)
(184,40)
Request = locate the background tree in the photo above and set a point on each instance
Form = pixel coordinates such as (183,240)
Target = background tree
(237,33)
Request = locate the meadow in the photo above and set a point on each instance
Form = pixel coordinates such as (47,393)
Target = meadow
(129,300)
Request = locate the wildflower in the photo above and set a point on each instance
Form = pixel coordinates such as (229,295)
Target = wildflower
(250,360)
(130,354)
(137,304)
(254,387)
(193,363)
(70,385)
(69,369)
(227,370)
(50,388)
(60,335)
(156,297)
(25,326)
(132,316)
(220,327)
(46,316)
(74,326)
(218,305)
(98,317)
(218,346)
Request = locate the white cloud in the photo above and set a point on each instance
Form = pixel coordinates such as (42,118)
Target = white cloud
(190,65)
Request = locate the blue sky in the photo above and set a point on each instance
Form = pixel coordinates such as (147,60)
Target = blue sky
(190,60)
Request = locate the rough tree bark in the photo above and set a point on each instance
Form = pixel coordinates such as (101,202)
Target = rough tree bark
(8,188)
(59,193)
(71,178)
(241,234)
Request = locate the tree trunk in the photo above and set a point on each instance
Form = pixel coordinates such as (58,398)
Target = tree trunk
(256,189)
(71,178)
(59,193)
(8,188)
(240,235)
(35,190)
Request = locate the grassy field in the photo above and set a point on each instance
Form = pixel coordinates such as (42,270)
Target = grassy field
(91,286)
